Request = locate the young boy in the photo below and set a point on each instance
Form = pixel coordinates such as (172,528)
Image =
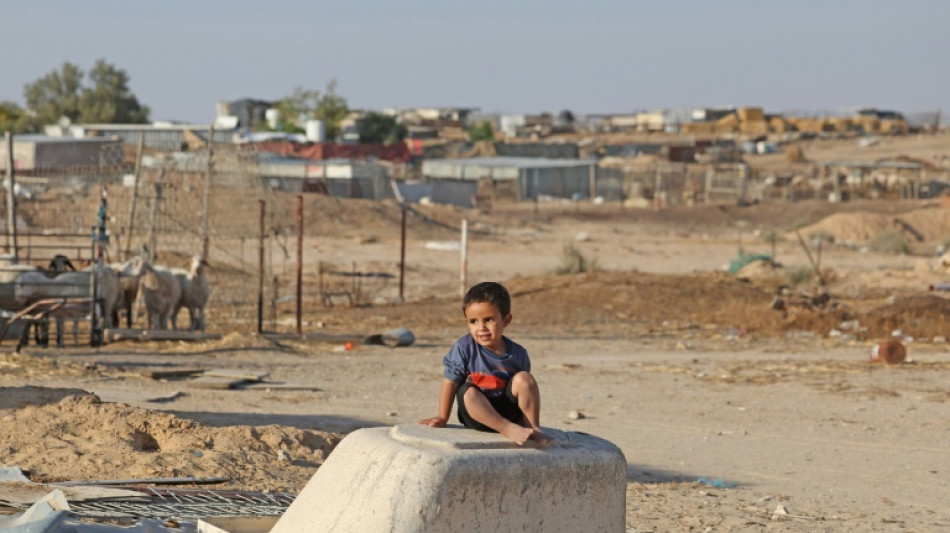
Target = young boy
(489,374)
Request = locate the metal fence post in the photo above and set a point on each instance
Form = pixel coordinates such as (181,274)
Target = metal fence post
(206,205)
(402,258)
(135,194)
(260,267)
(463,267)
(11,199)
(299,264)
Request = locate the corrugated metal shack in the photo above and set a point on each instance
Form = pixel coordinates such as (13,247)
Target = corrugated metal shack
(158,136)
(38,152)
(549,150)
(522,178)
(341,178)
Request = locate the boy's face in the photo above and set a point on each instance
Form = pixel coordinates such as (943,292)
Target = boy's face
(487,325)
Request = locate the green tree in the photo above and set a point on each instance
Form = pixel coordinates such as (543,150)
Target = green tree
(305,104)
(9,114)
(62,93)
(375,128)
(14,119)
(109,99)
(482,131)
(332,109)
(296,109)
(55,95)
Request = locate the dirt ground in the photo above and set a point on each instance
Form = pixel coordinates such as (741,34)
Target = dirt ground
(726,404)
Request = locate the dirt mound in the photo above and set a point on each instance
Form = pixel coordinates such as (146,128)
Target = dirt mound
(608,303)
(857,228)
(920,225)
(80,438)
(920,316)
(604,299)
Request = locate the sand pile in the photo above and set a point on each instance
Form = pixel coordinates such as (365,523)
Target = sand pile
(67,435)
(930,225)
(856,228)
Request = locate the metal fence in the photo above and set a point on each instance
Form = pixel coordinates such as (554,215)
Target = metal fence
(168,207)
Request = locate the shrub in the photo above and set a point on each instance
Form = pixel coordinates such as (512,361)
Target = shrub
(821,236)
(889,242)
(799,274)
(574,262)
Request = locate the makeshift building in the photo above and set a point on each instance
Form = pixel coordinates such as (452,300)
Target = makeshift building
(335,177)
(40,152)
(521,178)
(166,136)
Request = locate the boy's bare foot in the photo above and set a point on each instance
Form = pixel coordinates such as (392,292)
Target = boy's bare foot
(517,434)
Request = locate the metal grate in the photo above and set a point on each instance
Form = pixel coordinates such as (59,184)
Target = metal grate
(166,504)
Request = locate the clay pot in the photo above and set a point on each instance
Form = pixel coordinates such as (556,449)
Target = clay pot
(891,352)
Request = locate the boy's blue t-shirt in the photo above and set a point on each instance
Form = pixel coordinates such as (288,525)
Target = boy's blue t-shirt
(487,371)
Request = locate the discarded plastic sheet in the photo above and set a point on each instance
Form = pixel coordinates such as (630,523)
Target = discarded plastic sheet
(145,525)
(44,515)
(393,337)
(12,473)
(164,399)
(444,246)
(24,494)
(718,483)
(238,524)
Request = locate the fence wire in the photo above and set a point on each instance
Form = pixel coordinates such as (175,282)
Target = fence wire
(173,202)
(174,207)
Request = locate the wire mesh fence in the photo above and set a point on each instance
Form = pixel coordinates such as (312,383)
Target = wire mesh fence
(169,203)
(167,208)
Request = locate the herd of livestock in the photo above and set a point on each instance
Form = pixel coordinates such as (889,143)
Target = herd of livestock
(66,293)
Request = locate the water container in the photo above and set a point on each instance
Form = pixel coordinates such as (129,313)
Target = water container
(272,116)
(316,131)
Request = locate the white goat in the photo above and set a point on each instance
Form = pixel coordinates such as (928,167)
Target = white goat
(161,290)
(194,294)
(128,290)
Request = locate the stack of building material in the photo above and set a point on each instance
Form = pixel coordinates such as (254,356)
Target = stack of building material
(728,124)
(752,121)
(751,114)
(839,124)
(699,128)
(893,126)
(778,124)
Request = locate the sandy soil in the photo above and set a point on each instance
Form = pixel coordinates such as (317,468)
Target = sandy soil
(724,407)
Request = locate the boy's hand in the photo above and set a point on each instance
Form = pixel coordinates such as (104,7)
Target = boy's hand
(434,422)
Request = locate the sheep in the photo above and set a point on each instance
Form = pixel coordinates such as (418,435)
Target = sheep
(60,263)
(161,290)
(31,287)
(110,292)
(10,272)
(128,290)
(194,294)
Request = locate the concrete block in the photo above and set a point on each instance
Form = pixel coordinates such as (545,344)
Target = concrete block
(412,478)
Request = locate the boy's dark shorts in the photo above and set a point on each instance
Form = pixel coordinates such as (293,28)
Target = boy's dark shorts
(505,404)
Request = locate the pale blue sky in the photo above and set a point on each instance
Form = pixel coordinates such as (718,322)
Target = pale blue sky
(502,56)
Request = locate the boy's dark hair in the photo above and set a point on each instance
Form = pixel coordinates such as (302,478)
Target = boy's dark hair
(489,292)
